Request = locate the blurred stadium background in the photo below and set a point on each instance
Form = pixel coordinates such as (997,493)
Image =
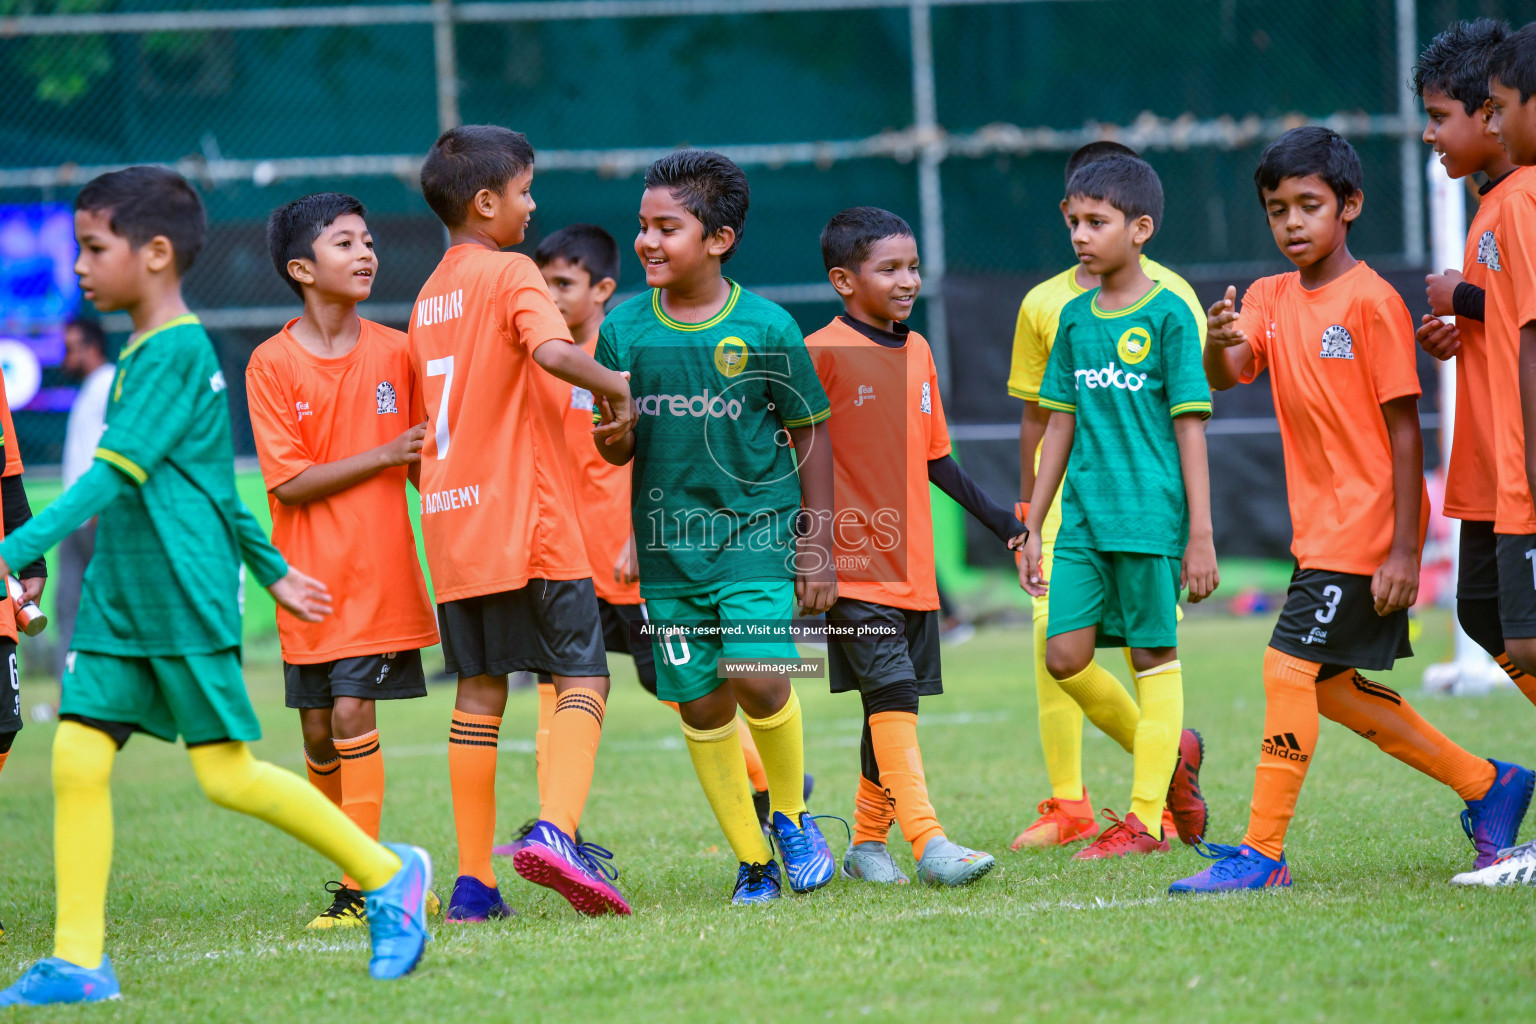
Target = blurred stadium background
(955,113)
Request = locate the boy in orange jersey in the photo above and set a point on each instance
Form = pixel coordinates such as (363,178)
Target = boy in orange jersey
(14,510)
(1338,344)
(1451,78)
(889,439)
(337,434)
(512,581)
(580,263)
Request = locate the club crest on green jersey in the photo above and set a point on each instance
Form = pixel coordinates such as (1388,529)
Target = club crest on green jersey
(1134,345)
(731,356)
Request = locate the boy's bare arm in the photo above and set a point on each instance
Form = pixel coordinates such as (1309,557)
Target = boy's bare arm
(1528,396)
(1031,433)
(327,478)
(816,573)
(1228,355)
(1395,585)
(1199,571)
(574,366)
(1055,449)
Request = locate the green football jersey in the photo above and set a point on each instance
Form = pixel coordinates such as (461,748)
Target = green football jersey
(165,577)
(1126,375)
(715,489)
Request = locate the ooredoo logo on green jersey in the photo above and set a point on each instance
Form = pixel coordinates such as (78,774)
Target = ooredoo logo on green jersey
(1111,376)
(697,406)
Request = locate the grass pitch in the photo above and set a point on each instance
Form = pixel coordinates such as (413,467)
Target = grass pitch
(207,909)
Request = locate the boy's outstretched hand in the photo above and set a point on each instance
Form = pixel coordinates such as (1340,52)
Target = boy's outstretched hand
(1034,584)
(306,597)
(1219,320)
(1438,338)
(1198,572)
(1395,585)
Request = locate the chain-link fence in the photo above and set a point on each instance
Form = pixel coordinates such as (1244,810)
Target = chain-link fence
(955,113)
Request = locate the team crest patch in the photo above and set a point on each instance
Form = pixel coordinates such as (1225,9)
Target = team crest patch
(385,393)
(1337,344)
(1134,345)
(926,405)
(581,398)
(731,356)
(1488,251)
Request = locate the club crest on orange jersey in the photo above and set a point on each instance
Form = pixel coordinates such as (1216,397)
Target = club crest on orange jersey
(1488,251)
(731,356)
(1134,345)
(1337,343)
(384,394)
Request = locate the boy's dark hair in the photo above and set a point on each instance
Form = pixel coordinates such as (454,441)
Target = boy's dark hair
(1456,62)
(1312,149)
(584,244)
(1513,62)
(851,234)
(709,185)
(146,202)
(1103,149)
(292,229)
(465,160)
(90,333)
(1127,183)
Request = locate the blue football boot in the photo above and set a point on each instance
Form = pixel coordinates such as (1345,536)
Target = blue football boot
(397,915)
(1235,867)
(1493,822)
(756,883)
(807,860)
(58,981)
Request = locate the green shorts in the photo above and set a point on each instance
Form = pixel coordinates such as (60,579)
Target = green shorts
(686,665)
(1133,599)
(199,697)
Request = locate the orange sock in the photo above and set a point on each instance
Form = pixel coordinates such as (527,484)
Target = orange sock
(472,777)
(749,752)
(894,736)
(362,785)
(754,760)
(1382,716)
(325,777)
(541,737)
(6,755)
(574,730)
(1525,682)
(1290,739)
(872,813)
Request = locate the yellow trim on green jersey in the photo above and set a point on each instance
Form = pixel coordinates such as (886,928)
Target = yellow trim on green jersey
(678,325)
(1111,314)
(1046,403)
(806,421)
(123,463)
(185,320)
(1184,407)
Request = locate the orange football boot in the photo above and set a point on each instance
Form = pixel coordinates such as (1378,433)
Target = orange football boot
(1061,823)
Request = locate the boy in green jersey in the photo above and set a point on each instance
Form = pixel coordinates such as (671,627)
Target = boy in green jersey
(1128,402)
(156,647)
(730,526)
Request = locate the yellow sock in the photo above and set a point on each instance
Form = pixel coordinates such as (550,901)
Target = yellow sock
(233,778)
(1106,703)
(82,840)
(717,761)
(1161,691)
(1061,727)
(781,742)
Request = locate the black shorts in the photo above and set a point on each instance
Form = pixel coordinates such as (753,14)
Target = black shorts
(869,665)
(620,638)
(10,680)
(1477,565)
(370,677)
(549,626)
(1330,617)
(1517,585)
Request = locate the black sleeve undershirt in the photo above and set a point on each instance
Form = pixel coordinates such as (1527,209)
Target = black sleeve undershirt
(13,501)
(1469,300)
(946,474)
